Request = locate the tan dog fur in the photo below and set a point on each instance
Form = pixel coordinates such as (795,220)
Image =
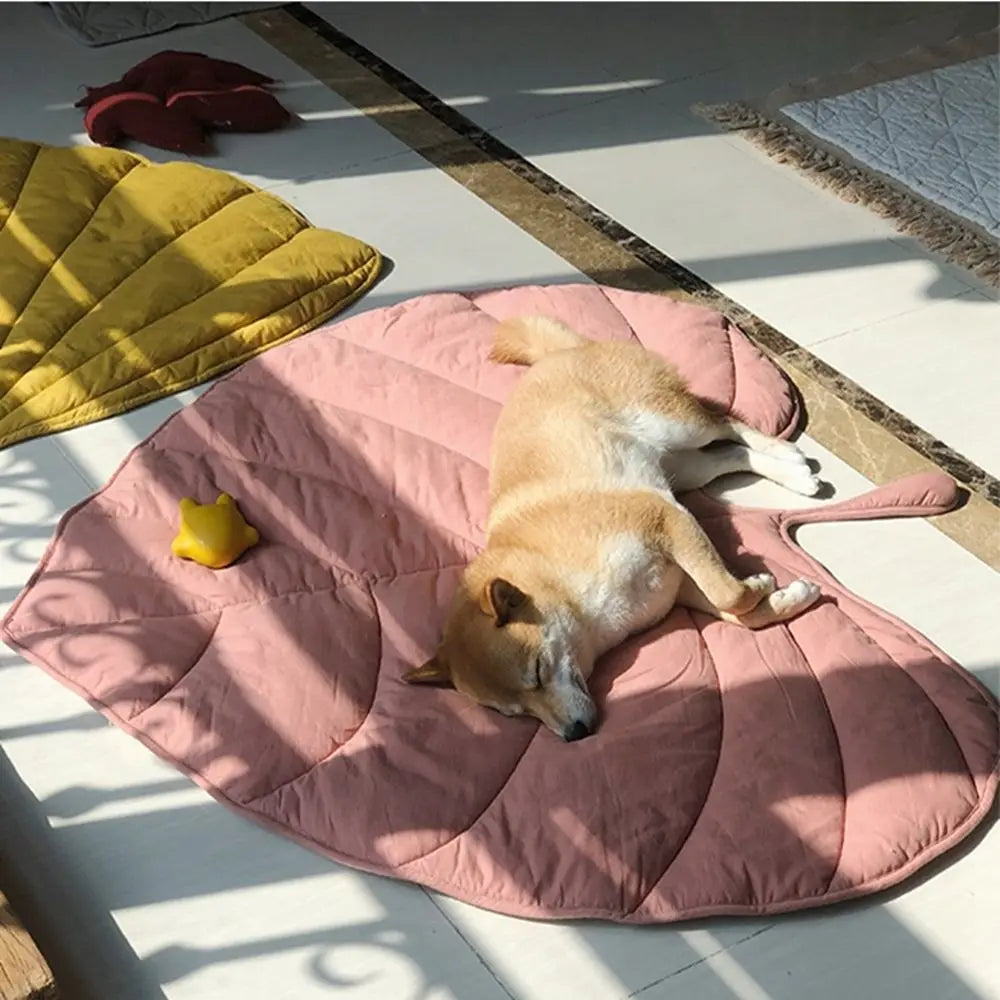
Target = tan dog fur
(586,544)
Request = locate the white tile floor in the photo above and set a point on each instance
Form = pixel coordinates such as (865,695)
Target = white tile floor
(151,889)
(815,267)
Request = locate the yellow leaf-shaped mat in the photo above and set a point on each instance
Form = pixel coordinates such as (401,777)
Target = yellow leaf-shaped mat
(122,281)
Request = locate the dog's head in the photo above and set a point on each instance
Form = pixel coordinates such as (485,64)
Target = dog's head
(514,650)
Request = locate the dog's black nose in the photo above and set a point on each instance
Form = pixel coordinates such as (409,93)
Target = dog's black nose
(576,732)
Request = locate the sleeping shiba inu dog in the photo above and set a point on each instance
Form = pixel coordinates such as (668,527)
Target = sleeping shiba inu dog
(586,543)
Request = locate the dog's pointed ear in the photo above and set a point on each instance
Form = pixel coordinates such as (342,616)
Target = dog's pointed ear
(502,600)
(432,672)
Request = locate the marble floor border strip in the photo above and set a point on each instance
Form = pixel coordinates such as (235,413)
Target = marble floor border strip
(879,442)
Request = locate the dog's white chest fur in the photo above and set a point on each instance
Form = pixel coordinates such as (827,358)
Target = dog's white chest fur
(634,588)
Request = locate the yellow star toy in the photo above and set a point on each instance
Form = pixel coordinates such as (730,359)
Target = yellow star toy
(213,534)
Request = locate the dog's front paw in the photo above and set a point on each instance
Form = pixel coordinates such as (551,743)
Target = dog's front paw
(794,598)
(762,584)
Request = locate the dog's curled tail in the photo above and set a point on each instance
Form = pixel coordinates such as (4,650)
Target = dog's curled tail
(528,339)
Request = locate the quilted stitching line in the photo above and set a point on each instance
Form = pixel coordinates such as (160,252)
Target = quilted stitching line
(424,371)
(74,417)
(340,748)
(313,476)
(219,340)
(56,629)
(326,404)
(937,711)
(702,645)
(624,318)
(348,578)
(482,812)
(86,222)
(840,757)
(443,568)
(24,184)
(158,319)
(348,575)
(814,567)
(186,673)
(729,331)
(155,253)
(822,574)
(454,887)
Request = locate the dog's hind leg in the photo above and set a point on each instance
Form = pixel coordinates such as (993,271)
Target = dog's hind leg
(667,417)
(689,470)
(734,430)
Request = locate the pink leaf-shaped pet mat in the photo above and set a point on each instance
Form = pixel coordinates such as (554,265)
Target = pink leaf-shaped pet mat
(733,771)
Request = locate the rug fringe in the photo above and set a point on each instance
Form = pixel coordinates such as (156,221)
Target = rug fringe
(937,229)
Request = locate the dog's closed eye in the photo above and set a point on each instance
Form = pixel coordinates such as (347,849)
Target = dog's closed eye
(535,675)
